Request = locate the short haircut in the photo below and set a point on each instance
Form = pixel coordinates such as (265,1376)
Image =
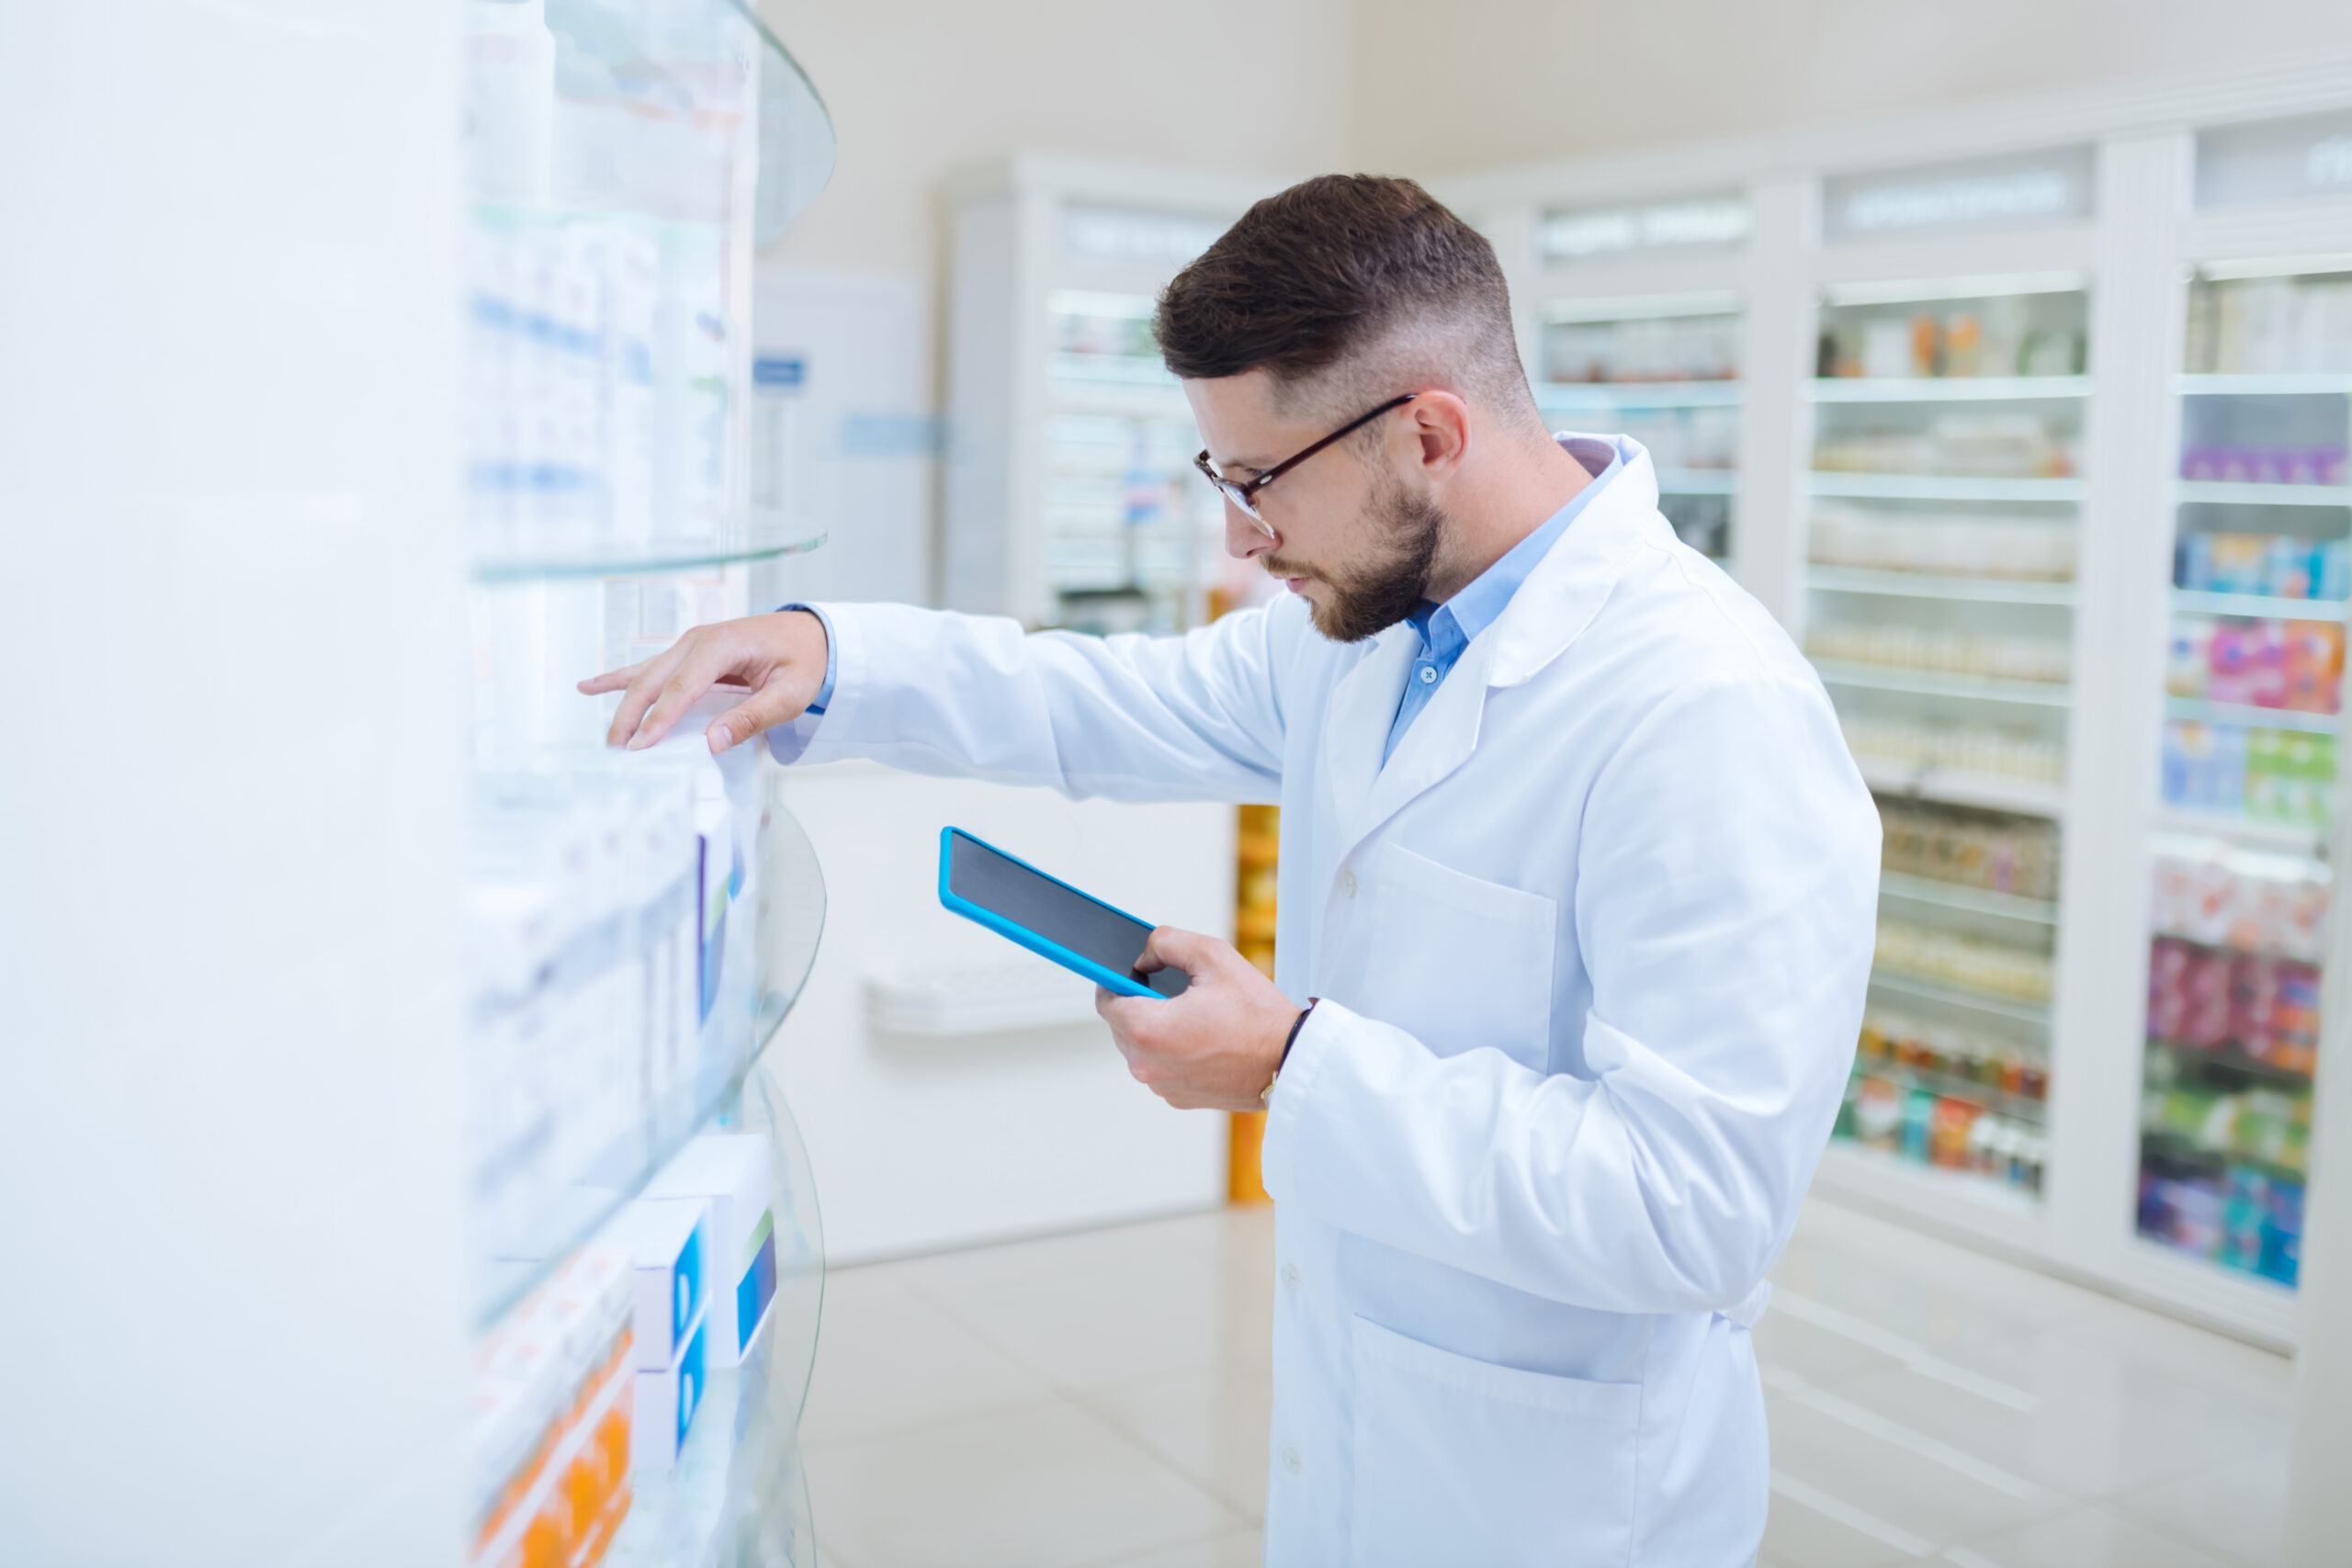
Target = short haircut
(1349,289)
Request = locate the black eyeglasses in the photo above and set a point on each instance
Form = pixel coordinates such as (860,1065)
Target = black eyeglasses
(1243,493)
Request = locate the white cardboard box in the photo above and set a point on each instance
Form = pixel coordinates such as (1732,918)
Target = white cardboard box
(731,1171)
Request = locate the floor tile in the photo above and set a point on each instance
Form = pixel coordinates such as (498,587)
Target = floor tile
(888,1359)
(1243,1548)
(2088,1538)
(1041,1485)
(1899,1474)
(2101,1425)
(2234,1511)
(1210,1425)
(1810,1528)
(1109,1307)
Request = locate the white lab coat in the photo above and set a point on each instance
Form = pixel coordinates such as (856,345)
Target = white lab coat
(1592,947)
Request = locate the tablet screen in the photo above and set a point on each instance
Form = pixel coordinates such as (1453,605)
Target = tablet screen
(1034,901)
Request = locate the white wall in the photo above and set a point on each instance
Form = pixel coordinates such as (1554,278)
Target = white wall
(1480,83)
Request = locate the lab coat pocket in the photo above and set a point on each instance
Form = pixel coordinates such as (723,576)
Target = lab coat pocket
(1461,1461)
(1458,962)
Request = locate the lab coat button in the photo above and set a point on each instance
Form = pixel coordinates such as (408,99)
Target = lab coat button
(1347,884)
(1290,1275)
(1290,1461)
(1428,674)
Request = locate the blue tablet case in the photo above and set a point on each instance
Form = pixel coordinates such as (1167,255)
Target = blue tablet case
(1045,947)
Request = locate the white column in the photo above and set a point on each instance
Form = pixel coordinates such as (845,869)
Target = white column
(1775,424)
(231,813)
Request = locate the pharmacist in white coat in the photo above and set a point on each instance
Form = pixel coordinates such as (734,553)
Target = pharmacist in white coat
(1576,895)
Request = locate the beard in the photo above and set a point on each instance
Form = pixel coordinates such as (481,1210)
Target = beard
(1372,597)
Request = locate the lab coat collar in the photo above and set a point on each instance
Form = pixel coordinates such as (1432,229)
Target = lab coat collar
(1556,603)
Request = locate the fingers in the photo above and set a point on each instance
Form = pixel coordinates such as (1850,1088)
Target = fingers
(704,663)
(1170,947)
(612,680)
(645,685)
(778,701)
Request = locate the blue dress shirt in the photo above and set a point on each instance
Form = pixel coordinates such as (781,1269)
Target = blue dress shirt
(1446,629)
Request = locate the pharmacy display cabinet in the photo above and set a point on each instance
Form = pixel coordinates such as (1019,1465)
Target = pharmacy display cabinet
(1070,497)
(644,1234)
(2031,426)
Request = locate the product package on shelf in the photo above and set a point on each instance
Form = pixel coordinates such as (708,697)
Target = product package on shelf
(1946,1097)
(730,1172)
(2256,772)
(2006,446)
(1965,962)
(2012,334)
(1695,347)
(2294,665)
(1998,854)
(1911,745)
(1941,542)
(1906,647)
(2277,565)
(615,993)
(2271,326)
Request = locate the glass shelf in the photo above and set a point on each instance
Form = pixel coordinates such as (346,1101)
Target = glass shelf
(1946,388)
(1989,792)
(1928,683)
(1926,585)
(1958,896)
(790,904)
(1603,396)
(1941,486)
(2258,606)
(1697,481)
(647,561)
(1901,982)
(2293,837)
(2228,492)
(2261,385)
(2252,717)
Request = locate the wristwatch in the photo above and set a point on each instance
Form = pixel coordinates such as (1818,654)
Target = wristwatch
(1266,1095)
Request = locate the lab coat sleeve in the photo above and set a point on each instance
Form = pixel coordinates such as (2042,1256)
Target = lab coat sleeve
(1132,717)
(1726,911)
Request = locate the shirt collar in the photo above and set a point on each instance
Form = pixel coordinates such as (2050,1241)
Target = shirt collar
(1462,617)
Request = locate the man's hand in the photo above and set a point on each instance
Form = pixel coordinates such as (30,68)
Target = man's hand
(1213,1048)
(780,657)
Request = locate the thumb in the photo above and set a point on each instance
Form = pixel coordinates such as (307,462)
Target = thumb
(1171,947)
(778,701)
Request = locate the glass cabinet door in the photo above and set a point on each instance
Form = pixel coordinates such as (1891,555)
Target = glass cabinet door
(1941,542)
(1665,372)
(2247,771)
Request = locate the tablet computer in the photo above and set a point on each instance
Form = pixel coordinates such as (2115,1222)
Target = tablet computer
(1048,917)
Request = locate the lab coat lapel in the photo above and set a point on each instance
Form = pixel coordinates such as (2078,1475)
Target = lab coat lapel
(1355,728)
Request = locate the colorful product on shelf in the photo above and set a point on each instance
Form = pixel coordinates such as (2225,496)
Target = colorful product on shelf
(2270,326)
(2266,465)
(2276,566)
(1965,962)
(1947,1098)
(1958,445)
(2294,665)
(1704,439)
(1642,349)
(2011,335)
(1979,1066)
(2238,1216)
(1905,646)
(2217,894)
(2265,775)
(2246,1004)
(552,1415)
(1997,852)
(1911,745)
(1951,545)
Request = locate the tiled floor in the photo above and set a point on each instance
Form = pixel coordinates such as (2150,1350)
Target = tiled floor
(1100,1401)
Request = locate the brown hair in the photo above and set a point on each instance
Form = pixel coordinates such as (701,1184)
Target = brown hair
(1311,282)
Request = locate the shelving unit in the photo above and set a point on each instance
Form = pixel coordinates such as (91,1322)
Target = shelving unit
(638,924)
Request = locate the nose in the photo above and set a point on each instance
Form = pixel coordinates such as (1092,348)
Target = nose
(1245,538)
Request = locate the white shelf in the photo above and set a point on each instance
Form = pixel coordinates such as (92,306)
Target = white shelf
(2263,606)
(1932,683)
(1945,388)
(1928,585)
(1607,395)
(2015,1008)
(1976,900)
(2230,494)
(1988,792)
(2252,717)
(2260,386)
(1697,481)
(2292,838)
(1878,1169)
(1118,370)
(1938,487)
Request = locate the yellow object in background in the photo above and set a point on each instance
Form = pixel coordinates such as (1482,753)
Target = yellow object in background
(1257,847)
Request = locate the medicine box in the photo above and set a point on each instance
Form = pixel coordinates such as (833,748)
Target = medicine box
(730,1172)
(667,1399)
(667,1242)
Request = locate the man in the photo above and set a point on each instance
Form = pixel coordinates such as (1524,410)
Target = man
(1573,856)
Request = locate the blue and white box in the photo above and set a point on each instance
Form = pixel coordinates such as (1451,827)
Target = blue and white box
(730,1172)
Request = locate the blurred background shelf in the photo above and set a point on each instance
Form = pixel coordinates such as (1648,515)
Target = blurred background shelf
(1946,388)
(649,560)
(2252,717)
(1927,682)
(2013,1008)
(1977,900)
(1986,790)
(2258,605)
(1938,487)
(1608,396)
(1930,585)
(2220,492)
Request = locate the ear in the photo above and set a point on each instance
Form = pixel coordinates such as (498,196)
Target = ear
(1437,424)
